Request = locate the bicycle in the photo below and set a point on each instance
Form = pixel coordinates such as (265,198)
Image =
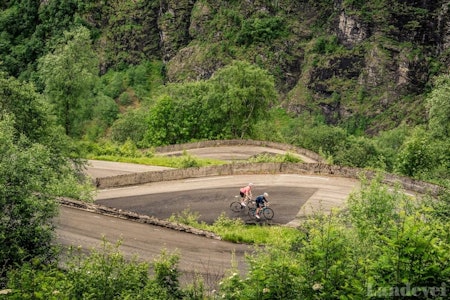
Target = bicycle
(236,206)
(265,211)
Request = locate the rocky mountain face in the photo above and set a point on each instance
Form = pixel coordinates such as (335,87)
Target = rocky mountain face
(362,64)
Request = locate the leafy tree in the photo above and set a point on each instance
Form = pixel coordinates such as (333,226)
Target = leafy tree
(27,201)
(27,107)
(164,123)
(439,108)
(180,115)
(416,157)
(103,114)
(34,171)
(358,152)
(69,75)
(226,106)
(241,94)
(130,125)
(18,21)
(388,143)
(319,137)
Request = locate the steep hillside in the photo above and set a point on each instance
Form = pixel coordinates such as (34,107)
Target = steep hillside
(364,65)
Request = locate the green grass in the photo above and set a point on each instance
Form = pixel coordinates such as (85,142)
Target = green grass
(179,162)
(258,235)
(236,231)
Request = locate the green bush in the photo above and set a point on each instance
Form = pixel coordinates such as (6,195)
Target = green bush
(102,273)
(261,29)
(130,125)
(186,217)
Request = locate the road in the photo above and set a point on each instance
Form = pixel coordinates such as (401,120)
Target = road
(198,255)
(292,196)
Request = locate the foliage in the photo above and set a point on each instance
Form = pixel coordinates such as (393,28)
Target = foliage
(69,74)
(274,126)
(166,124)
(31,179)
(241,95)
(439,108)
(320,138)
(226,106)
(30,112)
(130,125)
(103,273)
(358,152)
(103,114)
(139,81)
(266,157)
(440,205)
(189,161)
(326,45)
(27,204)
(387,144)
(17,23)
(385,242)
(370,208)
(186,217)
(37,281)
(261,29)
(416,157)
(34,170)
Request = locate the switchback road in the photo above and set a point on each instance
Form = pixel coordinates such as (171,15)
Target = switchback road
(292,196)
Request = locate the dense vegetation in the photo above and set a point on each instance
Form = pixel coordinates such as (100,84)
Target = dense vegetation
(83,78)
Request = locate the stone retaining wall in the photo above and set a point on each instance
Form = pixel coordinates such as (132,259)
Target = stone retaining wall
(262,168)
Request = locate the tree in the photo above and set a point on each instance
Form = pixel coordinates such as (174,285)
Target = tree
(34,171)
(69,75)
(241,95)
(416,157)
(18,21)
(27,107)
(227,106)
(27,205)
(439,108)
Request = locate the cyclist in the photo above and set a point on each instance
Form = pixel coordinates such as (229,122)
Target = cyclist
(246,194)
(260,203)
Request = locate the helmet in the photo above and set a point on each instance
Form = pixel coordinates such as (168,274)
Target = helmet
(266,195)
(250,184)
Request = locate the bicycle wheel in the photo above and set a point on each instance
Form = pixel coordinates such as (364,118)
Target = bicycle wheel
(251,204)
(268,213)
(236,206)
(251,212)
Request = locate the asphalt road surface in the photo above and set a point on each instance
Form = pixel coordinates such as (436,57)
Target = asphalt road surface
(212,202)
(291,196)
(207,257)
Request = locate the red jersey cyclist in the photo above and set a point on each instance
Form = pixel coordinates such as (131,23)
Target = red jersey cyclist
(246,194)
